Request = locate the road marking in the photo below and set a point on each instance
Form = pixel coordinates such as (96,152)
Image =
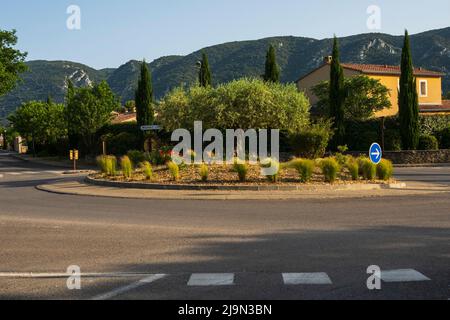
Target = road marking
(133,286)
(32,275)
(1,176)
(293,279)
(403,275)
(30,172)
(14,173)
(211,279)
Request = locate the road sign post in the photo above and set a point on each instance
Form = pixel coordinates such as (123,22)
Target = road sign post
(376,153)
(74,156)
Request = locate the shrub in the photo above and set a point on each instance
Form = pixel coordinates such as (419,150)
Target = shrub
(312,142)
(428,142)
(353,167)
(269,163)
(147,170)
(127,167)
(305,168)
(242,170)
(444,138)
(174,170)
(204,172)
(136,156)
(392,140)
(368,169)
(120,144)
(330,169)
(385,170)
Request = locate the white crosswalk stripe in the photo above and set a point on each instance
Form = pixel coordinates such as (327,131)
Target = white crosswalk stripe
(211,279)
(23,173)
(320,278)
(403,275)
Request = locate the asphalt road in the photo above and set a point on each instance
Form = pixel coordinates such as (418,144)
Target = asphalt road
(245,247)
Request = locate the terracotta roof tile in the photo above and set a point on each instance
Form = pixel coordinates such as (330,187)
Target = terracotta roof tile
(125,117)
(386,69)
(445,107)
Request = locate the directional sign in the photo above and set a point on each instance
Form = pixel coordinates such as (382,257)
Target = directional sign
(376,153)
(150,128)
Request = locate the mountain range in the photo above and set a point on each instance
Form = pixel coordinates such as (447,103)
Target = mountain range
(295,55)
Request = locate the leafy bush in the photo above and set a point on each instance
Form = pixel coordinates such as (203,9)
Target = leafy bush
(392,140)
(385,170)
(269,163)
(444,137)
(136,156)
(174,170)
(147,170)
(120,144)
(127,167)
(330,169)
(353,167)
(304,167)
(312,142)
(242,170)
(427,142)
(368,169)
(204,172)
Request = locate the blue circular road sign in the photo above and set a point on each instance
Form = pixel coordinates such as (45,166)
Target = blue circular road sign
(376,153)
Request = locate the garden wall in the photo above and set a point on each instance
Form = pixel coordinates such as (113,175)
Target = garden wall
(414,157)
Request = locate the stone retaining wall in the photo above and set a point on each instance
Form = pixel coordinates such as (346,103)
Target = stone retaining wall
(414,157)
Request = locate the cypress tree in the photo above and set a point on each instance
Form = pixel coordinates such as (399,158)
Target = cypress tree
(337,96)
(272,71)
(144,98)
(408,100)
(73,137)
(204,75)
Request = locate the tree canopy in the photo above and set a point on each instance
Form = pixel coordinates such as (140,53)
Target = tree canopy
(272,71)
(408,100)
(11,61)
(240,104)
(204,74)
(89,109)
(363,97)
(40,122)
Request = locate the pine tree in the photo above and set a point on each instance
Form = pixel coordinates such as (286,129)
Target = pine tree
(408,100)
(204,75)
(272,71)
(337,98)
(144,98)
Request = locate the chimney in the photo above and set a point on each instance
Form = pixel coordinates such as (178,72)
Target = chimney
(328,59)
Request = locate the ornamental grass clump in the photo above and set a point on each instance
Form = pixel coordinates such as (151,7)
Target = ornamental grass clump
(174,170)
(353,168)
(385,170)
(204,172)
(274,166)
(111,166)
(101,163)
(330,169)
(368,169)
(127,167)
(304,167)
(147,170)
(241,169)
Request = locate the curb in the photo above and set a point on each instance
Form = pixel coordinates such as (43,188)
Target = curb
(151,186)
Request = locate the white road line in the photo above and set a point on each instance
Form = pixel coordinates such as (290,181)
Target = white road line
(293,279)
(31,172)
(1,175)
(14,173)
(133,286)
(211,279)
(54,172)
(403,275)
(32,275)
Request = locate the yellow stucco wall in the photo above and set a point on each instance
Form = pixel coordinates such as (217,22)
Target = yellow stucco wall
(434,84)
(434,94)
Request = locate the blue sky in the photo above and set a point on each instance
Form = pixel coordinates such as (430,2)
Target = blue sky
(115,31)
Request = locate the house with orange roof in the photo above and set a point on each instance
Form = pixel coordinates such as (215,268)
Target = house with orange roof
(429,85)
